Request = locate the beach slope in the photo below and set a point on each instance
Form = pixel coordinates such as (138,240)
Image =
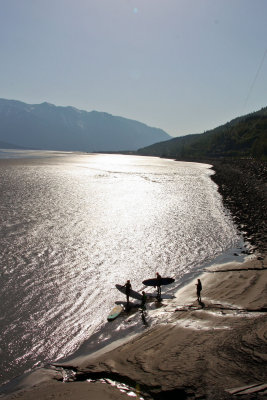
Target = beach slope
(215,349)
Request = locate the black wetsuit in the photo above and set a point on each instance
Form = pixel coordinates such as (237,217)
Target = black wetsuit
(199,288)
(159,286)
(143,302)
(128,287)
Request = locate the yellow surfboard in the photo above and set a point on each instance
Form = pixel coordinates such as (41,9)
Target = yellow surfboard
(115,312)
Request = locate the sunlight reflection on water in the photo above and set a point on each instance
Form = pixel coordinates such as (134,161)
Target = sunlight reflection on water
(72,227)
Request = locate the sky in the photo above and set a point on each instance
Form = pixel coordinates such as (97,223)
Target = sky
(184,66)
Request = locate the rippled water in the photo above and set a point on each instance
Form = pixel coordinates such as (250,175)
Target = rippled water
(73,226)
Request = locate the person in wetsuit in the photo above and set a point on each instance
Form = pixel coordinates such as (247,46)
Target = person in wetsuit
(128,287)
(143,301)
(199,288)
(158,277)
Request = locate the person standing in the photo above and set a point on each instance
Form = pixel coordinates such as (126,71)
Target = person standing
(143,301)
(158,277)
(199,288)
(128,288)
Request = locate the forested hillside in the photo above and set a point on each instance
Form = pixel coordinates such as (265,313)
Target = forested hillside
(242,137)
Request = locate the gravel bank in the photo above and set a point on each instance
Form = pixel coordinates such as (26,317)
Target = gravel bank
(243,186)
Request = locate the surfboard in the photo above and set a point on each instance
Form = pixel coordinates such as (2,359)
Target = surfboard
(164,296)
(154,281)
(132,293)
(124,303)
(115,312)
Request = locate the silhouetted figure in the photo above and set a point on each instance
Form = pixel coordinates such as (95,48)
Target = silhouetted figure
(199,288)
(128,287)
(143,301)
(158,277)
(143,315)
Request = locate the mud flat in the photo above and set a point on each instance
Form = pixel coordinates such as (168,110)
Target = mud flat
(215,349)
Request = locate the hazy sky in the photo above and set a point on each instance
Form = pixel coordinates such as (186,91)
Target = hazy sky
(181,65)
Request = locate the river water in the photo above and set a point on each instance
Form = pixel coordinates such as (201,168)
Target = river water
(74,225)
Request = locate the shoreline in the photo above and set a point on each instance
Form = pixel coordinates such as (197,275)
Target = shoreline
(200,347)
(202,372)
(171,358)
(94,347)
(243,186)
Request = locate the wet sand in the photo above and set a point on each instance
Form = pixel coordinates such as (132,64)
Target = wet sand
(210,349)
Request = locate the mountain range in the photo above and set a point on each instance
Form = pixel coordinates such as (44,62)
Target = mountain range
(49,127)
(243,137)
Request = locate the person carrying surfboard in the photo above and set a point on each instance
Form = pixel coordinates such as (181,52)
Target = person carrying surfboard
(158,277)
(143,301)
(128,287)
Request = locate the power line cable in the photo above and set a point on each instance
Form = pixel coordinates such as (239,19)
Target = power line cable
(254,80)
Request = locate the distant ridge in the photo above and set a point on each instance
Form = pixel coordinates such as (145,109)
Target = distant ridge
(244,136)
(4,145)
(50,127)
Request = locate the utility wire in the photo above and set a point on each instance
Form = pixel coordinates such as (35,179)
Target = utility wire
(254,80)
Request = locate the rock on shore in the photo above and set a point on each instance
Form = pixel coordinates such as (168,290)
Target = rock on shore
(243,186)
